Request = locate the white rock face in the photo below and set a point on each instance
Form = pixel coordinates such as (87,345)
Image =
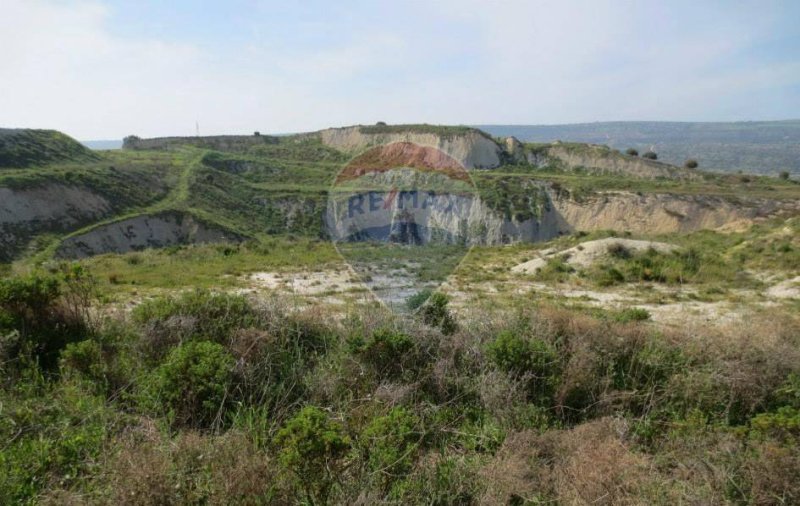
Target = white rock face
(655,213)
(141,232)
(471,149)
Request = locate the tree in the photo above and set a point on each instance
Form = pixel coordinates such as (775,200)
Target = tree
(631,152)
(784,175)
(650,155)
(691,163)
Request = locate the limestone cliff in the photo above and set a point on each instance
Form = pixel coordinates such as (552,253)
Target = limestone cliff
(472,148)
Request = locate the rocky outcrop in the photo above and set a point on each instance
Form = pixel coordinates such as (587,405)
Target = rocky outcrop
(602,160)
(472,148)
(53,208)
(141,232)
(655,213)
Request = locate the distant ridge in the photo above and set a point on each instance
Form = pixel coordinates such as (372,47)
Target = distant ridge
(763,147)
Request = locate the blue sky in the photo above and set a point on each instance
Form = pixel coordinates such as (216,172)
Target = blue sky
(105,69)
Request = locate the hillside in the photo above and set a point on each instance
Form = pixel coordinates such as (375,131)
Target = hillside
(243,187)
(177,326)
(760,147)
(20,148)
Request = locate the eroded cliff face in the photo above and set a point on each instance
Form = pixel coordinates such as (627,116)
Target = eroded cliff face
(49,208)
(600,159)
(472,149)
(141,232)
(655,213)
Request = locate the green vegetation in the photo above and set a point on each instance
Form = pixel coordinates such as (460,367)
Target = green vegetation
(219,399)
(174,376)
(26,148)
(443,130)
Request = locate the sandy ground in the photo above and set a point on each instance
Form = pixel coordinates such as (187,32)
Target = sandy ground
(588,252)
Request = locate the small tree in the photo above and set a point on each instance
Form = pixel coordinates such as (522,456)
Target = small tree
(784,175)
(650,155)
(631,152)
(691,163)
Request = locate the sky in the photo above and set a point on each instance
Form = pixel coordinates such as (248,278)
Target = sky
(104,69)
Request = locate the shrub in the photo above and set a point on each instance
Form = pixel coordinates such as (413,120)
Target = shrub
(200,315)
(632,152)
(650,155)
(390,353)
(389,444)
(52,434)
(192,385)
(32,307)
(533,359)
(632,314)
(436,314)
(691,163)
(618,250)
(313,447)
(784,174)
(415,301)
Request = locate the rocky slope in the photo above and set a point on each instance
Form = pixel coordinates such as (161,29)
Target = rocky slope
(141,232)
(602,160)
(53,208)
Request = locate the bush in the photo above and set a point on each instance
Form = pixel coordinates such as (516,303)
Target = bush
(650,155)
(632,152)
(52,434)
(415,301)
(436,314)
(312,447)
(533,359)
(389,443)
(691,163)
(632,314)
(200,315)
(390,353)
(784,174)
(192,386)
(33,307)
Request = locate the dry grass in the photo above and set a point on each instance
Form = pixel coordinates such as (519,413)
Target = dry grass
(591,464)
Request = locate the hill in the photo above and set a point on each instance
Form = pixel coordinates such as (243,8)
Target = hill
(175,327)
(234,188)
(760,147)
(20,148)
